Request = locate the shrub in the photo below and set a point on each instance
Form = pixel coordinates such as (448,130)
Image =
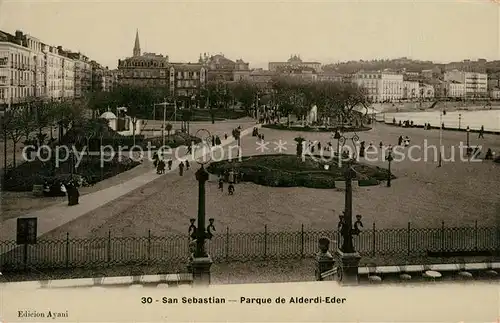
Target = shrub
(308,128)
(24,176)
(368,182)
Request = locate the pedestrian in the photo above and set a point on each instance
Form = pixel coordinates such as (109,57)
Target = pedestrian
(230,189)
(155,159)
(225,136)
(481,132)
(169,164)
(400,140)
(181,169)
(187,164)
(381,144)
(221,184)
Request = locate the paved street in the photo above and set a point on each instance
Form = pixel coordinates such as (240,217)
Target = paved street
(458,193)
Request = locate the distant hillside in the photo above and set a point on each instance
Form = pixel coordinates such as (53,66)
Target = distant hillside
(410,65)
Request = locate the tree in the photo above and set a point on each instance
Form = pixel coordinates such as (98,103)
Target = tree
(138,100)
(245,93)
(168,128)
(18,123)
(66,115)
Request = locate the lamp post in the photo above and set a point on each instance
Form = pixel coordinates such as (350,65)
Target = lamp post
(200,260)
(389,159)
(468,134)
(349,258)
(440,138)
(337,136)
(459,120)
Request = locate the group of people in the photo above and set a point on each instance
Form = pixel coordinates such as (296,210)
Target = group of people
(159,164)
(231,177)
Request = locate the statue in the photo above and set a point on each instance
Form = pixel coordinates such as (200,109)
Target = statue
(210,227)
(192,229)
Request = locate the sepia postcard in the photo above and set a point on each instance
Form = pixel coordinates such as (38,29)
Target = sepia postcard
(249,161)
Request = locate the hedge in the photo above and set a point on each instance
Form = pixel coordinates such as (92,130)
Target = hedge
(281,126)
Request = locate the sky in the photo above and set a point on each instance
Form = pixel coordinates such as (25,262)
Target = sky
(263,31)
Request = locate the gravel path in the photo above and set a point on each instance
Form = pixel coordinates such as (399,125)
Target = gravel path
(14,204)
(458,193)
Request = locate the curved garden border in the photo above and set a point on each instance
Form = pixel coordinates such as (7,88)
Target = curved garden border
(314,129)
(311,178)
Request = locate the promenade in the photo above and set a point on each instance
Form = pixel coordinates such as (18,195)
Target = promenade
(458,193)
(53,217)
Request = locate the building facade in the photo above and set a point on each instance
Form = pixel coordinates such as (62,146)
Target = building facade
(293,62)
(455,89)
(307,74)
(32,70)
(54,76)
(411,90)
(426,91)
(148,69)
(186,80)
(476,84)
(182,80)
(330,76)
(222,69)
(383,86)
(262,78)
(83,74)
(495,93)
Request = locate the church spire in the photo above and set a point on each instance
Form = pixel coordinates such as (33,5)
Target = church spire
(137,46)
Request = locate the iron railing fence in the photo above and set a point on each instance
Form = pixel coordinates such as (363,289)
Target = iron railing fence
(230,246)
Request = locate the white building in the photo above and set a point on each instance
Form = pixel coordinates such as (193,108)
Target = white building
(454,89)
(68,68)
(381,86)
(37,66)
(16,73)
(54,73)
(411,90)
(495,94)
(476,84)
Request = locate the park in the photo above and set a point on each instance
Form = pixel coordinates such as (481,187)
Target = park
(283,205)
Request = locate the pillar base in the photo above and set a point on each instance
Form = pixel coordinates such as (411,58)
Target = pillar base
(348,267)
(200,268)
(324,263)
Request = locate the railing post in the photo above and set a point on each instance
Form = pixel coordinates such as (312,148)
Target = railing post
(475,235)
(149,246)
(408,242)
(25,256)
(442,236)
(109,246)
(265,241)
(227,244)
(302,241)
(67,249)
(373,240)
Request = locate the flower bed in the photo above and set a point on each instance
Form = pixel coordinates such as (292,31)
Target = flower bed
(289,171)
